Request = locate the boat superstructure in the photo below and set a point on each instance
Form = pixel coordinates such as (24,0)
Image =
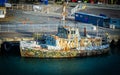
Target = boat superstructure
(66,43)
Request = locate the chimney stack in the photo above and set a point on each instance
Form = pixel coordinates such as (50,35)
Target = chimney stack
(85,31)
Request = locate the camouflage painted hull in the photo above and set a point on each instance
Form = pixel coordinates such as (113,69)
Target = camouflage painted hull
(61,53)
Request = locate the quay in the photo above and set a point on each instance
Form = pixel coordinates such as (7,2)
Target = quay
(24,26)
(13,36)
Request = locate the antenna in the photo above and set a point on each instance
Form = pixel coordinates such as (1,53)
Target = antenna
(64,12)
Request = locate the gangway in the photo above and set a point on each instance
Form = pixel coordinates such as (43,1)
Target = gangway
(78,7)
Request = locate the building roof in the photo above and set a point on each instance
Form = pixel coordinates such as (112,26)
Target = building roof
(87,14)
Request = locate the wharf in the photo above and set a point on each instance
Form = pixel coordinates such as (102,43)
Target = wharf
(16,37)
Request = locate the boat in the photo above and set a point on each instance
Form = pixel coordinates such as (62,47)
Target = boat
(66,43)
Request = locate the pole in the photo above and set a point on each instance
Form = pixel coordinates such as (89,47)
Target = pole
(97,25)
(0,28)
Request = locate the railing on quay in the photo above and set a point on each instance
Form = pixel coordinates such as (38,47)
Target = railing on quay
(34,7)
(27,28)
(49,28)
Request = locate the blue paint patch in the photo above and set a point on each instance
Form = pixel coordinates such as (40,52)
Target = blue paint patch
(115,21)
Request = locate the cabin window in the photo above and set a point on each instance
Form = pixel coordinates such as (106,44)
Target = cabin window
(114,21)
(1,12)
(61,31)
(106,22)
(72,32)
(68,32)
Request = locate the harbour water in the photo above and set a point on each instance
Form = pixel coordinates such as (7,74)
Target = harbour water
(101,65)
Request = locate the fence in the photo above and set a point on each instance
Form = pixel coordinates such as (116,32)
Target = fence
(32,7)
(47,28)
(26,7)
(28,28)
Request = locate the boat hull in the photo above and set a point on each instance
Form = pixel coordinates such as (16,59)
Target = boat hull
(61,53)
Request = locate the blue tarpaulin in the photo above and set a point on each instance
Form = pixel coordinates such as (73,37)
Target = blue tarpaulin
(2,2)
(44,2)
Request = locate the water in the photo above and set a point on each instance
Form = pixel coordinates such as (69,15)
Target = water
(100,65)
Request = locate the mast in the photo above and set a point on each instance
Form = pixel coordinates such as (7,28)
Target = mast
(64,13)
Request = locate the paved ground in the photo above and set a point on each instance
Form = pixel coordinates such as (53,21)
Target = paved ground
(32,18)
(39,18)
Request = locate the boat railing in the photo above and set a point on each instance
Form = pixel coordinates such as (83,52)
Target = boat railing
(101,47)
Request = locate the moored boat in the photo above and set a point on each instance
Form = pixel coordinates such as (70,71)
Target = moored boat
(66,43)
